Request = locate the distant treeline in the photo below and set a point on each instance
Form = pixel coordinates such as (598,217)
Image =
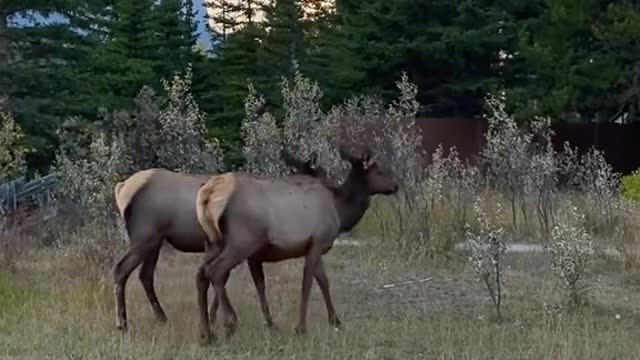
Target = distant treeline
(569,59)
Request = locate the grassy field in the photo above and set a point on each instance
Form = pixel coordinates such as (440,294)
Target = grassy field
(50,310)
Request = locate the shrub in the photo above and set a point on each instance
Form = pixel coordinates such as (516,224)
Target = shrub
(12,165)
(141,128)
(487,249)
(12,151)
(305,128)
(183,143)
(167,132)
(518,165)
(261,136)
(601,189)
(389,130)
(89,181)
(571,250)
(631,186)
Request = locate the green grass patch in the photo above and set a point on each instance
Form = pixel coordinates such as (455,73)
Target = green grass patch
(13,295)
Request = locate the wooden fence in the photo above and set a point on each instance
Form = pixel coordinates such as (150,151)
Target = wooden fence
(619,142)
(19,192)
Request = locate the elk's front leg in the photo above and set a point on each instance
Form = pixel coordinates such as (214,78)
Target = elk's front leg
(323,283)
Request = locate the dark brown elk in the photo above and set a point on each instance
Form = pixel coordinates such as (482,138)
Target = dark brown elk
(271,220)
(158,205)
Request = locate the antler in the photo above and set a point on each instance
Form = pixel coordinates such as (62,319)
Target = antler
(292,161)
(366,157)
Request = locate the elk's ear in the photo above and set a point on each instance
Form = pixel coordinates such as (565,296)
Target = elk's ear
(369,161)
(313,158)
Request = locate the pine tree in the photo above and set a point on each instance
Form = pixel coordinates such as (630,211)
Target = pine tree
(450,49)
(284,43)
(237,53)
(330,56)
(146,42)
(125,62)
(579,57)
(39,65)
(175,36)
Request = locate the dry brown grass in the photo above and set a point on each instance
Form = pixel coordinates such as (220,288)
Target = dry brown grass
(48,310)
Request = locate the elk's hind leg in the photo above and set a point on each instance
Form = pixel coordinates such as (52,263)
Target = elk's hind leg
(215,304)
(146,276)
(217,271)
(143,243)
(121,273)
(202,285)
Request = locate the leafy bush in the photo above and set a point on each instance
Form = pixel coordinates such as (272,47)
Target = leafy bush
(184,145)
(571,251)
(390,130)
(12,152)
(600,188)
(89,181)
(12,165)
(305,129)
(167,132)
(487,249)
(631,186)
(141,127)
(519,166)
(261,137)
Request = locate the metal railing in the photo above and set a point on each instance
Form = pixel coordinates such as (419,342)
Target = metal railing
(19,192)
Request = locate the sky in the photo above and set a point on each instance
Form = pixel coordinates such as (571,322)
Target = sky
(197,4)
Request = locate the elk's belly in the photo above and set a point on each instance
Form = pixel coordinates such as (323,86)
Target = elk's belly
(187,237)
(272,253)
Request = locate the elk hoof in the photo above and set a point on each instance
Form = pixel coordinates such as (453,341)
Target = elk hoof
(230,329)
(301,330)
(206,339)
(335,322)
(122,326)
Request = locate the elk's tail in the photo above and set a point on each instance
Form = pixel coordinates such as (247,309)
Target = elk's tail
(117,189)
(211,202)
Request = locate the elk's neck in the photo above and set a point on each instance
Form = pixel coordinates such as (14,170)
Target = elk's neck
(352,202)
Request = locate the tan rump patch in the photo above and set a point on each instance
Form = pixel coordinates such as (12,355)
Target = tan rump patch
(125,190)
(211,201)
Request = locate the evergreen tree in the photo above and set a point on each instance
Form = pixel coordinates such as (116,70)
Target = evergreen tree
(579,58)
(284,43)
(126,61)
(38,65)
(331,56)
(238,61)
(175,36)
(450,49)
